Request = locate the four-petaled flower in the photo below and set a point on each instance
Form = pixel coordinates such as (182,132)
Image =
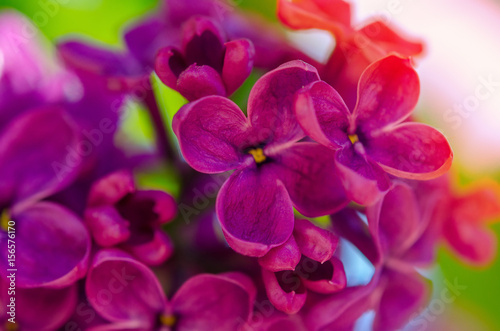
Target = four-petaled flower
(375,138)
(274,172)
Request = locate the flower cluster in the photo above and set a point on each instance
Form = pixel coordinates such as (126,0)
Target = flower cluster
(269,192)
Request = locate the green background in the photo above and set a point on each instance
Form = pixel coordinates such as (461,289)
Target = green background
(104,20)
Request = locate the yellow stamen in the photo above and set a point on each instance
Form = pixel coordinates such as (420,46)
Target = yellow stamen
(258,155)
(168,320)
(11,326)
(4,222)
(353,138)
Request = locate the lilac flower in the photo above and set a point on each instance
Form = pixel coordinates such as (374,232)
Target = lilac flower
(119,215)
(271,45)
(374,139)
(305,262)
(29,148)
(29,77)
(136,300)
(43,309)
(273,171)
(206,64)
(402,235)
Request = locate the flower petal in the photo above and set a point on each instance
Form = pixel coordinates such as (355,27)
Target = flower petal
(323,114)
(200,81)
(211,132)
(106,225)
(386,38)
(348,224)
(364,181)
(397,225)
(122,289)
(36,307)
(169,64)
(255,212)
(270,104)
(327,277)
(314,242)
(329,15)
(308,172)
(238,63)
(478,245)
(284,257)
(153,252)
(209,300)
(404,294)
(289,300)
(42,230)
(203,42)
(411,150)
(388,91)
(38,156)
(111,189)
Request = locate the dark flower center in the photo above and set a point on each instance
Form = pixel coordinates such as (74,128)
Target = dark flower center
(290,281)
(140,214)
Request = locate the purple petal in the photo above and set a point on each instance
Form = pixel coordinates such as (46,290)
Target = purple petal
(411,150)
(225,301)
(314,242)
(284,257)
(255,212)
(106,225)
(308,172)
(323,114)
(35,308)
(403,296)
(348,224)
(327,277)
(202,43)
(211,131)
(43,229)
(397,226)
(169,64)
(270,104)
(153,252)
(341,308)
(238,63)
(122,289)
(387,93)
(364,181)
(38,156)
(164,207)
(284,290)
(111,189)
(200,81)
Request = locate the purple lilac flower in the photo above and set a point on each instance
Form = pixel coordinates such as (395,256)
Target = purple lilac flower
(118,214)
(304,263)
(273,171)
(137,301)
(29,148)
(374,140)
(206,64)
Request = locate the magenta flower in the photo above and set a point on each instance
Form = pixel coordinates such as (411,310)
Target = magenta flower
(206,64)
(403,230)
(305,262)
(29,77)
(41,309)
(273,173)
(128,294)
(375,139)
(52,243)
(119,215)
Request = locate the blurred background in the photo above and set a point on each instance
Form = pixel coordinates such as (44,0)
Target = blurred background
(460,76)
